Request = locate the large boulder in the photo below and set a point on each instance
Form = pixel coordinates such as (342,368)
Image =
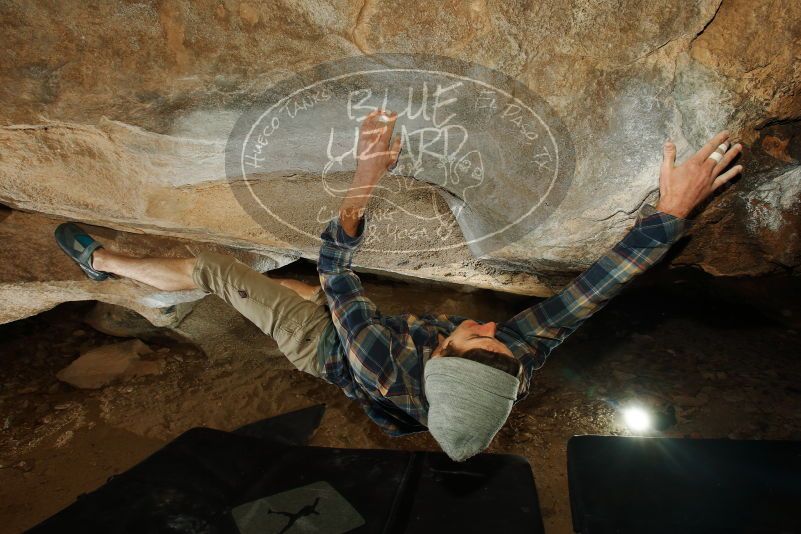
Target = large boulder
(120,116)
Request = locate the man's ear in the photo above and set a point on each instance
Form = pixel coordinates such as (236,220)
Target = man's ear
(440,348)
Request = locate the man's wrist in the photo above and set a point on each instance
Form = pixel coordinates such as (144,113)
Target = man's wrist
(676,211)
(355,203)
(661,226)
(363,177)
(352,227)
(349,218)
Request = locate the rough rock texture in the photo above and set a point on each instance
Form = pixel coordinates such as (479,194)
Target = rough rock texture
(756,233)
(117,115)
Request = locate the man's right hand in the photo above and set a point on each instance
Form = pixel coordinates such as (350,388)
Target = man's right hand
(376,151)
(375,154)
(683,188)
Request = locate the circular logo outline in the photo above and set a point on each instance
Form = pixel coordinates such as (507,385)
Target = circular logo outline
(243,175)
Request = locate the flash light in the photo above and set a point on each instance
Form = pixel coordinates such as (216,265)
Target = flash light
(637,419)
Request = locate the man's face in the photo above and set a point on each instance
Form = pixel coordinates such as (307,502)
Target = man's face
(471,335)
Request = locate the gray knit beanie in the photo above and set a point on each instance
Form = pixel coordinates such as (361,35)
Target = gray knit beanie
(468,402)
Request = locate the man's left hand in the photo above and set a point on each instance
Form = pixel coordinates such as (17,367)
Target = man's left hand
(682,188)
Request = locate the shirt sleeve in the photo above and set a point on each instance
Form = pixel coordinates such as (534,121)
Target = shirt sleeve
(548,323)
(366,341)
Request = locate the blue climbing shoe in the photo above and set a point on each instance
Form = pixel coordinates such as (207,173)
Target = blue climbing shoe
(79,246)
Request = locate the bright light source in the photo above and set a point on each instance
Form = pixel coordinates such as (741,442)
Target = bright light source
(637,419)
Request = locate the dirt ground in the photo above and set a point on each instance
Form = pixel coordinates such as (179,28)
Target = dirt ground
(680,342)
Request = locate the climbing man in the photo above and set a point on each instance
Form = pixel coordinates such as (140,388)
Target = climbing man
(453,376)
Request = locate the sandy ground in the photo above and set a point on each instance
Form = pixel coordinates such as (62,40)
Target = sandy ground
(726,370)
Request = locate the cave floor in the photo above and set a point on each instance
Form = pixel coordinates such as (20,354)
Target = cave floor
(726,370)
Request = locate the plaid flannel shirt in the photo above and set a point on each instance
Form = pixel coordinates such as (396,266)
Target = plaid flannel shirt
(378,360)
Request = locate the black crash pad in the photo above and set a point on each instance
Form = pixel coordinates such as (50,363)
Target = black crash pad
(219,482)
(655,485)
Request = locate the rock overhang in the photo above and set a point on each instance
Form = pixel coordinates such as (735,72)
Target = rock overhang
(153,164)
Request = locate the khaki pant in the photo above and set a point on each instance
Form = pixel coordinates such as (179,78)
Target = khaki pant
(295,323)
